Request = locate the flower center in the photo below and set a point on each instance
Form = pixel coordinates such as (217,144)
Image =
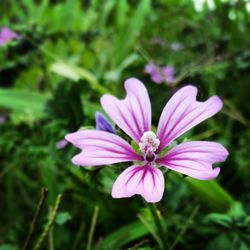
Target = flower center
(148,145)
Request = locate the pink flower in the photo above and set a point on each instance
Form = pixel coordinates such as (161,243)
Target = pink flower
(6,35)
(133,116)
(61,144)
(159,75)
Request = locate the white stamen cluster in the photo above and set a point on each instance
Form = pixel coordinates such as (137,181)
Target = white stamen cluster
(149,142)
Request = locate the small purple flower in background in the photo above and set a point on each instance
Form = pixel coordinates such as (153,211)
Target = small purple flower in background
(3,119)
(61,144)
(160,74)
(6,35)
(103,124)
(133,116)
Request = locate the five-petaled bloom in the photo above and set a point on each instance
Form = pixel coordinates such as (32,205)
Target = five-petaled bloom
(133,116)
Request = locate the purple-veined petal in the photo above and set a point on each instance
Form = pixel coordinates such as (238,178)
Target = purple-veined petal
(133,114)
(101,148)
(195,159)
(182,112)
(146,181)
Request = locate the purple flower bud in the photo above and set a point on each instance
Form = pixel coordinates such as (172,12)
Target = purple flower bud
(103,124)
(6,35)
(61,144)
(3,119)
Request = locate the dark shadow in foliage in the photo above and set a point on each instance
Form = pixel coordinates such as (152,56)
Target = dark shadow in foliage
(66,105)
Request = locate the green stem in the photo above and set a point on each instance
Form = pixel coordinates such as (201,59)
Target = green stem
(158,224)
(40,205)
(92,228)
(185,227)
(78,236)
(151,230)
(50,223)
(51,237)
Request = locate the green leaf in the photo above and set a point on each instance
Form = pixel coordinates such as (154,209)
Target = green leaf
(123,236)
(236,211)
(67,105)
(76,73)
(210,193)
(221,219)
(21,101)
(127,36)
(66,71)
(8,247)
(62,218)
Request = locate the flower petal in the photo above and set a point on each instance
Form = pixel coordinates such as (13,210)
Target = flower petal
(183,112)
(146,181)
(133,114)
(195,159)
(100,148)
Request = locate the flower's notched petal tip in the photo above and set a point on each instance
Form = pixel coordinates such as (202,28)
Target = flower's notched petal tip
(218,103)
(195,159)
(132,81)
(68,138)
(215,173)
(75,160)
(146,181)
(182,112)
(133,113)
(192,89)
(72,138)
(212,174)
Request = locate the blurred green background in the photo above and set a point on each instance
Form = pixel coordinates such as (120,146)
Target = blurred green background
(69,54)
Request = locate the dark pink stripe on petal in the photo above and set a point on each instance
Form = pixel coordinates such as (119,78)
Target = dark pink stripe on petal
(133,114)
(195,159)
(101,148)
(146,181)
(183,112)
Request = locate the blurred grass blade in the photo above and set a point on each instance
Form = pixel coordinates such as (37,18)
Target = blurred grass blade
(50,223)
(76,73)
(65,70)
(211,193)
(92,228)
(123,236)
(126,38)
(23,101)
(151,230)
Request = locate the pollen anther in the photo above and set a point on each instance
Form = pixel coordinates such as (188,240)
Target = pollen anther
(149,143)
